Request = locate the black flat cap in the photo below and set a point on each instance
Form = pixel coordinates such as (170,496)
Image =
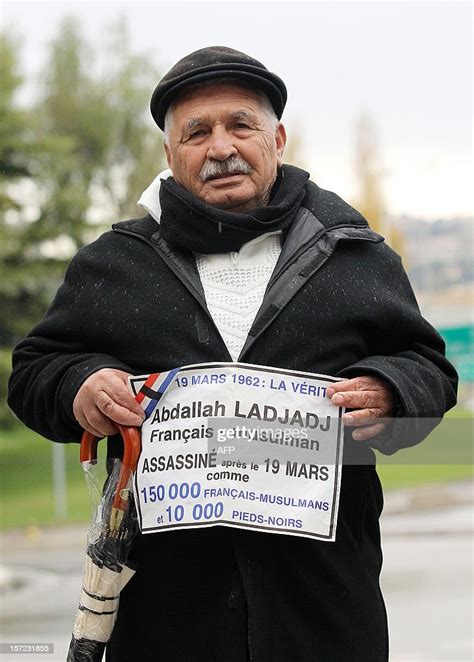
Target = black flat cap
(212,63)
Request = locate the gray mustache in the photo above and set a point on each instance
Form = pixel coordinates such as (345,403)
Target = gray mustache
(234,165)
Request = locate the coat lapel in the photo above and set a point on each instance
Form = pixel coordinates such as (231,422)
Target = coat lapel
(307,247)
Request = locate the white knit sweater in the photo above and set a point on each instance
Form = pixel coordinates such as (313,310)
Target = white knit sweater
(234,283)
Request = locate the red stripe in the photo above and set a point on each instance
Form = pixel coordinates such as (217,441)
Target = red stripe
(149,382)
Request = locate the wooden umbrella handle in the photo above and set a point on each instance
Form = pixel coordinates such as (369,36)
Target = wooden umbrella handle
(131,453)
(131,441)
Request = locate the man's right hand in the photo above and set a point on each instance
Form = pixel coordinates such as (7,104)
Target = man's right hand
(105,399)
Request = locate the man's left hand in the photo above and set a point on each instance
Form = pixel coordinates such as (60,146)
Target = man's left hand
(371,397)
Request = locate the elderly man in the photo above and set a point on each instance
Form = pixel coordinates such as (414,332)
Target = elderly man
(241,258)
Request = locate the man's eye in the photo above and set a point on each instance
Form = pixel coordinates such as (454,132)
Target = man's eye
(197,133)
(241,125)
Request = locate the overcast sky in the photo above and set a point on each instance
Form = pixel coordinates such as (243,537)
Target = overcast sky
(408,64)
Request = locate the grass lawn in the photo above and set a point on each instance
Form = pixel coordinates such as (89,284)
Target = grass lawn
(446,454)
(26,486)
(394,477)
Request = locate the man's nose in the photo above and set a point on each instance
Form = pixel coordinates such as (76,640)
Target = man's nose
(221,144)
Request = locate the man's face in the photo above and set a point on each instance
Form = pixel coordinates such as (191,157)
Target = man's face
(223,127)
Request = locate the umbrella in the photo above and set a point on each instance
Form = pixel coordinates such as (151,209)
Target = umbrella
(105,570)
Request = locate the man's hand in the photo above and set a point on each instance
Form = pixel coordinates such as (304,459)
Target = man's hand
(371,397)
(104,399)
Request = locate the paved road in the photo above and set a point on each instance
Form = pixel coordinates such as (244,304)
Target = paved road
(427,583)
(42,598)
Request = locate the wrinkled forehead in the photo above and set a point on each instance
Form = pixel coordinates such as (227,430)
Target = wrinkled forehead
(231,95)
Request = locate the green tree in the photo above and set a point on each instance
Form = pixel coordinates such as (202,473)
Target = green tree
(135,153)
(71,163)
(18,150)
(15,152)
(96,105)
(13,125)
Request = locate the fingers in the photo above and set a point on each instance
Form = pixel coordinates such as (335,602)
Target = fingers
(371,399)
(114,400)
(364,383)
(104,400)
(94,421)
(367,421)
(362,417)
(363,434)
(368,393)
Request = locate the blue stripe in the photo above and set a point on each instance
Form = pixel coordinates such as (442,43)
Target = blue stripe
(161,390)
(166,382)
(150,408)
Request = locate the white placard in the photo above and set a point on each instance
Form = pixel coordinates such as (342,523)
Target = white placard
(239,445)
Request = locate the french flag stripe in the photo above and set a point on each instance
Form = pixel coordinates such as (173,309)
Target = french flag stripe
(146,386)
(149,397)
(167,381)
(150,408)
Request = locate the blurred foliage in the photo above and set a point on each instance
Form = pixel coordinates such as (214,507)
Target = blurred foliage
(369,173)
(73,161)
(14,123)
(295,149)
(7,419)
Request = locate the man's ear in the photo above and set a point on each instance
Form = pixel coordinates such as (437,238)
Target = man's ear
(280,139)
(168,155)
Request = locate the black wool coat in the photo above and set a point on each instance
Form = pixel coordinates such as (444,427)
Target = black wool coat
(338,303)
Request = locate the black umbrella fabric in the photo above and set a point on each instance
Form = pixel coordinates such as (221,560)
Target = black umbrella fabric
(105,569)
